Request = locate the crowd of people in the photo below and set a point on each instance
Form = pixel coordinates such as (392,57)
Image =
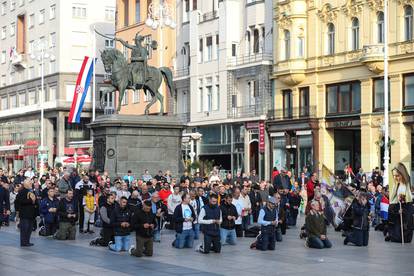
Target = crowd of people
(208,208)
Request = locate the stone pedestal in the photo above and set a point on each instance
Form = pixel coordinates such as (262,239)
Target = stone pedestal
(136,143)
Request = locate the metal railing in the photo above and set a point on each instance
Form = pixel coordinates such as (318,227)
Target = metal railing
(182,72)
(109,110)
(209,16)
(248,111)
(246,59)
(292,113)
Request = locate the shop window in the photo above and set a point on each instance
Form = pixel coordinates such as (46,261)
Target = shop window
(304,101)
(287,104)
(279,152)
(409,90)
(344,98)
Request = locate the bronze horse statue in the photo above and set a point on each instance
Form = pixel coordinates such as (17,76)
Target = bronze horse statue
(115,63)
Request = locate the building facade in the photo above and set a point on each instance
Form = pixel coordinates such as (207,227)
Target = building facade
(329,86)
(65,29)
(222,68)
(131,17)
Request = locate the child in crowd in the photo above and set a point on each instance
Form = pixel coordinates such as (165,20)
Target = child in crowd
(89,211)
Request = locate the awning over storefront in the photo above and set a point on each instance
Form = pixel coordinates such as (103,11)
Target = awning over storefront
(11,147)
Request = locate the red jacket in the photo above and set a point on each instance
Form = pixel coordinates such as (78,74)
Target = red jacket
(310,190)
(164,194)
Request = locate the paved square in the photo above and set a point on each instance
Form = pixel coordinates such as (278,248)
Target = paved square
(50,257)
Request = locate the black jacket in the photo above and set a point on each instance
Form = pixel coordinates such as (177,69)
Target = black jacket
(4,200)
(281,182)
(68,207)
(105,211)
(228,210)
(24,205)
(360,216)
(178,218)
(118,216)
(138,220)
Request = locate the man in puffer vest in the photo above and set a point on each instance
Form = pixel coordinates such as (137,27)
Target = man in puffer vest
(210,220)
(267,220)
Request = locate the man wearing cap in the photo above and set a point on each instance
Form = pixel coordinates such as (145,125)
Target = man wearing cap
(268,221)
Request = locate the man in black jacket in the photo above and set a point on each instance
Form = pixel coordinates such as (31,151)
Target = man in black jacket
(282,181)
(144,222)
(68,215)
(228,225)
(4,202)
(105,211)
(360,225)
(25,204)
(210,219)
(183,217)
(121,221)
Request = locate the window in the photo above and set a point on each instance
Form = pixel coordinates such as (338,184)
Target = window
(3,80)
(408,23)
(42,17)
(409,90)
(287,104)
(52,66)
(12,29)
(194,5)
(287,44)
(79,12)
(52,12)
(4,103)
(253,88)
(379,94)
(126,11)
(355,34)
(13,101)
(304,101)
(256,41)
(147,97)
(200,99)
(380,26)
(109,14)
(233,50)
(31,46)
(209,103)
(3,57)
(31,20)
(109,43)
(51,96)
(52,40)
(32,97)
(217,46)
(12,5)
(301,42)
(344,98)
(247,46)
(216,95)
(3,8)
(186,11)
(135,96)
(209,44)
(200,51)
(137,11)
(30,73)
(125,98)
(3,32)
(22,99)
(331,39)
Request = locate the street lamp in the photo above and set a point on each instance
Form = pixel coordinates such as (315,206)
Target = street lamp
(39,53)
(160,15)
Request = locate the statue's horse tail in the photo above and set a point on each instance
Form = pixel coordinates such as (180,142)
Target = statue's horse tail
(168,76)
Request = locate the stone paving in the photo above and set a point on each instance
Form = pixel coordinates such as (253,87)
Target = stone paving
(50,257)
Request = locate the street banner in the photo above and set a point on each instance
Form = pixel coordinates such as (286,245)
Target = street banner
(81,89)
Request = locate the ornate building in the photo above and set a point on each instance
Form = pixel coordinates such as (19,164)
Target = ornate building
(329,87)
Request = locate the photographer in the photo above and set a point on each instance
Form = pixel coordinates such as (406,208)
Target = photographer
(360,225)
(144,222)
(68,215)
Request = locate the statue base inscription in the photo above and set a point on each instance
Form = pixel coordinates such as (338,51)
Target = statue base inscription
(136,143)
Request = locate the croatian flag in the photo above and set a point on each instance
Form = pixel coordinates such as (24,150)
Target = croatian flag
(385,203)
(81,89)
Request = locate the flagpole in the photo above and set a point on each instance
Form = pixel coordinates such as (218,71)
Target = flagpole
(386,98)
(93,77)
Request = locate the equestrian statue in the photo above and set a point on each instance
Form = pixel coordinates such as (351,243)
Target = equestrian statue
(136,75)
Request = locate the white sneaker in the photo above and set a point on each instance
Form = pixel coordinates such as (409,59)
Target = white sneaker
(130,249)
(109,243)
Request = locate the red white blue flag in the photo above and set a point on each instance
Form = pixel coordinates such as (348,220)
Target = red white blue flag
(81,89)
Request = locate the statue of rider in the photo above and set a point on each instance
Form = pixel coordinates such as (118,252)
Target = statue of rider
(138,68)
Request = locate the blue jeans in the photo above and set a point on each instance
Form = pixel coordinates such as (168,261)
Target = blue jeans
(122,243)
(196,231)
(228,236)
(184,239)
(315,242)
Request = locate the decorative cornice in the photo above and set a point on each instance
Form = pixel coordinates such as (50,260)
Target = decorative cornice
(376,5)
(352,8)
(283,17)
(405,2)
(327,13)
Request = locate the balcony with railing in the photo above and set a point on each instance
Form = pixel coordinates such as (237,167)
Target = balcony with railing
(302,112)
(248,111)
(208,16)
(373,57)
(182,73)
(247,60)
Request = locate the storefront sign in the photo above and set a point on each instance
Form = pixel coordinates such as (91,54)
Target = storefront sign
(252,125)
(261,137)
(343,124)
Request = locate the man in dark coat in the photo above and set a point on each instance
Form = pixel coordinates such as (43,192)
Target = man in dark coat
(4,203)
(25,206)
(282,181)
